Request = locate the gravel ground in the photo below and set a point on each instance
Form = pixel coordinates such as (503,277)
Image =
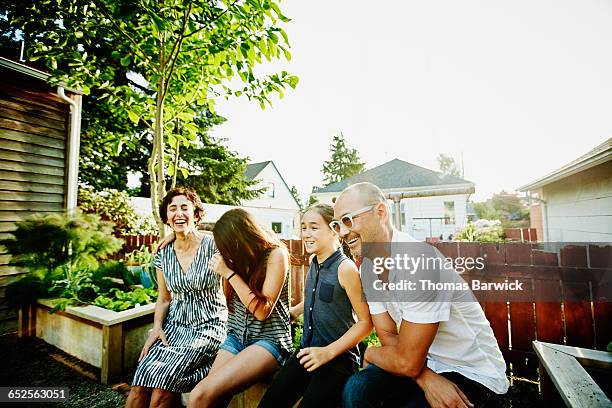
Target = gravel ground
(34,363)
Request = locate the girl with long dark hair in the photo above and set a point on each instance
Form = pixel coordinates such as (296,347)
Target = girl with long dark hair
(254,266)
(336,319)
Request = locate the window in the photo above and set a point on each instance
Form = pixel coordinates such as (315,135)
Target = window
(277,227)
(449,212)
(270,190)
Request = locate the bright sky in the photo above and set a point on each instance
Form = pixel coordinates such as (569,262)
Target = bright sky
(518,87)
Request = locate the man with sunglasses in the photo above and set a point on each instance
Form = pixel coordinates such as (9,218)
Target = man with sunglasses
(438,354)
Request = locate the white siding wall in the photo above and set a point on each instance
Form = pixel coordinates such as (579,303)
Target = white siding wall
(282,196)
(433,207)
(424,207)
(579,207)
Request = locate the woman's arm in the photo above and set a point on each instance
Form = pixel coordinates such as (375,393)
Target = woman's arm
(163,301)
(297,310)
(278,263)
(161,311)
(314,357)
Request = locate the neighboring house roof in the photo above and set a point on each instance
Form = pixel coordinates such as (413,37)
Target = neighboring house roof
(594,157)
(31,72)
(396,174)
(253,170)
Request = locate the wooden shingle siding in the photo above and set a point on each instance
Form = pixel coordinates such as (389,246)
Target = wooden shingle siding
(33,150)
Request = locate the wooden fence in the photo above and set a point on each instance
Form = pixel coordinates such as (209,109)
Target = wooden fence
(133,242)
(521,234)
(565,301)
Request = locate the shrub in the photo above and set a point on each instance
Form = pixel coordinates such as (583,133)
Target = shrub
(482,231)
(61,254)
(114,205)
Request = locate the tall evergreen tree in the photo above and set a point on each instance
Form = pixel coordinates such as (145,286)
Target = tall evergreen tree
(344,162)
(296,194)
(212,170)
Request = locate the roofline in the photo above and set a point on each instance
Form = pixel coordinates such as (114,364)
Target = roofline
(588,161)
(279,174)
(285,183)
(33,72)
(408,189)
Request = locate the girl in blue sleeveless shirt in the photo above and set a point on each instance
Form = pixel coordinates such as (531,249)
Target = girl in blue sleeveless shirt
(328,355)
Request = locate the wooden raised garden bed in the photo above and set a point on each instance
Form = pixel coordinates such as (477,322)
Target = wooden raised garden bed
(108,340)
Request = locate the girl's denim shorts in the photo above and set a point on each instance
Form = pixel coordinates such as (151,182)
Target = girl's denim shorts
(233,344)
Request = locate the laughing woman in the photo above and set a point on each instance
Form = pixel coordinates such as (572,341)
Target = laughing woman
(254,266)
(190,314)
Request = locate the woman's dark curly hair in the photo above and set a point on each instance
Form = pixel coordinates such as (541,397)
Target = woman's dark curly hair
(198,208)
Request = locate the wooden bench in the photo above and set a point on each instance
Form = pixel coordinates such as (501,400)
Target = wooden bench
(562,366)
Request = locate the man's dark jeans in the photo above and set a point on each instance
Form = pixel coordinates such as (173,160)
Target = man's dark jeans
(374,387)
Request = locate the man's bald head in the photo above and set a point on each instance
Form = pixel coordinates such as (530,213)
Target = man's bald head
(365,193)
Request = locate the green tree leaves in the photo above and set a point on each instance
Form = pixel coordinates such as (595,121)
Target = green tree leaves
(184,52)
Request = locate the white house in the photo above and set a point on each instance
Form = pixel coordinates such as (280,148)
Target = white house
(574,203)
(275,208)
(431,203)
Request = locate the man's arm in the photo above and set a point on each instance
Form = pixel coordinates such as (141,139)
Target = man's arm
(439,391)
(407,356)
(386,330)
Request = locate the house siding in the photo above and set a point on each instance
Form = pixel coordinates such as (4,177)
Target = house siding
(282,196)
(33,150)
(579,207)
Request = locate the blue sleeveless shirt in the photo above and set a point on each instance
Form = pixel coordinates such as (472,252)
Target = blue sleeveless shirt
(328,313)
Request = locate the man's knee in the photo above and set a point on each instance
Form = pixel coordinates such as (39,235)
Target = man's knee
(354,389)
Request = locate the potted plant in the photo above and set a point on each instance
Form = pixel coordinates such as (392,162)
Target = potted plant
(140,264)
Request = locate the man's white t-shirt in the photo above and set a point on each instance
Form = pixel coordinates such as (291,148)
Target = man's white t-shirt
(464,343)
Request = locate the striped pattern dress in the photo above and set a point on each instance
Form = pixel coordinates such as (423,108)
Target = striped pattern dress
(276,328)
(195,325)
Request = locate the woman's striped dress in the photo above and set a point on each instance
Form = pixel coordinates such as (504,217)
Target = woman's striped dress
(195,325)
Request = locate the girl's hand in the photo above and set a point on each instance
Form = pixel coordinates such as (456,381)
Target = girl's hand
(156,334)
(218,265)
(314,357)
(165,242)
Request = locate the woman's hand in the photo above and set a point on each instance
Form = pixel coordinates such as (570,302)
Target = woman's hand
(164,243)
(218,265)
(156,334)
(314,357)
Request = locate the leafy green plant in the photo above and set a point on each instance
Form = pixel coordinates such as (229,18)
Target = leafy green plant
(60,254)
(482,231)
(114,205)
(298,329)
(118,300)
(371,340)
(140,261)
(140,256)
